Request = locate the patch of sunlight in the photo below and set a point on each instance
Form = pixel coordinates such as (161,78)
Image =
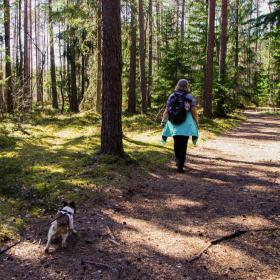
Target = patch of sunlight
(250,221)
(175,202)
(154,175)
(9,154)
(28,251)
(90,131)
(190,229)
(68,133)
(258,188)
(161,239)
(81,182)
(71,133)
(51,168)
(223,256)
(217,182)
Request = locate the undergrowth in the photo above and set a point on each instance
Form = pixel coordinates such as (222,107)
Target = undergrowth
(47,158)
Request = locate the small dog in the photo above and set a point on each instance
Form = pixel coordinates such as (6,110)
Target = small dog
(62,225)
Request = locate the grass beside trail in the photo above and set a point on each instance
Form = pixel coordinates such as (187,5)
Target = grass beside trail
(47,158)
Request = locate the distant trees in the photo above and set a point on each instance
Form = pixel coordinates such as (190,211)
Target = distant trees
(56,53)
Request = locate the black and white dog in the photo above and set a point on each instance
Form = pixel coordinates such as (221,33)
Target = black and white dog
(62,225)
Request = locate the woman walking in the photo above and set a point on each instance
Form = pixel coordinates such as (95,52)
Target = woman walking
(180,120)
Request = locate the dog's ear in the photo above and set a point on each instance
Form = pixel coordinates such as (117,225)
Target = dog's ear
(65,203)
(72,204)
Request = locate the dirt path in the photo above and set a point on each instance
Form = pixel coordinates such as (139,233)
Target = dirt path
(161,219)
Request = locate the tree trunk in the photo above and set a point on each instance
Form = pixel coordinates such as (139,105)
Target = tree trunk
(257,28)
(132,69)
(150,69)
(52,61)
(99,59)
(158,12)
(1,78)
(223,41)
(8,66)
(30,45)
(208,81)
(20,66)
(39,71)
(142,58)
(111,130)
(25,98)
(183,20)
(74,106)
(236,62)
(62,76)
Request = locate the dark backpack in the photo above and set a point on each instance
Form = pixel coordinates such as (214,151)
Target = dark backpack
(180,105)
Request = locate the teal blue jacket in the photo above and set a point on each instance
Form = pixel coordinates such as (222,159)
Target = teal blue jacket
(187,128)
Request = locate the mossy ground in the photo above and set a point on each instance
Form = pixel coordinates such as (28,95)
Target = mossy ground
(46,158)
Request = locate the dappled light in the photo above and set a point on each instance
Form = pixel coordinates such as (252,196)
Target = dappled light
(135,214)
(139,140)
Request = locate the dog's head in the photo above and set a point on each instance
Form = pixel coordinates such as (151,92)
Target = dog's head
(71,205)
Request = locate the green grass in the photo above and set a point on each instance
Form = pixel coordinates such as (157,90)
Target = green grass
(47,158)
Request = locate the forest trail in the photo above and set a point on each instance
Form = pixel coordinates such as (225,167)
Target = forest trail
(161,219)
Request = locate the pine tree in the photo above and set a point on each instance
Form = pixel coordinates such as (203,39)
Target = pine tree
(111,131)
(208,81)
(8,66)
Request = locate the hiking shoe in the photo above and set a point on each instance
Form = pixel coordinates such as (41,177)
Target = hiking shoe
(180,170)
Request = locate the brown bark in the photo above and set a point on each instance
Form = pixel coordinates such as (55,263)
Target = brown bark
(132,69)
(74,106)
(183,19)
(1,78)
(150,67)
(99,59)
(8,66)
(62,76)
(52,61)
(208,81)
(111,130)
(158,42)
(142,58)
(25,99)
(236,62)
(39,84)
(223,40)
(30,53)
(20,65)
(257,28)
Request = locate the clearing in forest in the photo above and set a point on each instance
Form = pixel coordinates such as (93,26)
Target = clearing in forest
(157,220)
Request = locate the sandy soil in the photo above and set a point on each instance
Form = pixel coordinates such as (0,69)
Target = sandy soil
(151,227)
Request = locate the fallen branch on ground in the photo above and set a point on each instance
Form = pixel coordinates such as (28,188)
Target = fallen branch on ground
(112,237)
(10,247)
(227,237)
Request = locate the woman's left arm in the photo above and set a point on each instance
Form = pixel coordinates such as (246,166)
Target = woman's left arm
(164,117)
(195,115)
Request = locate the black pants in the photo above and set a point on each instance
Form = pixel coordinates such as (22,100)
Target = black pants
(180,149)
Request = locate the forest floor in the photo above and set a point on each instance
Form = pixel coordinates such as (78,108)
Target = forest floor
(155,220)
